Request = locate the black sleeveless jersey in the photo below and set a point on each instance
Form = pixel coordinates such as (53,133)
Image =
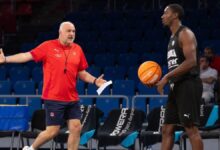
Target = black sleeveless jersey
(175,57)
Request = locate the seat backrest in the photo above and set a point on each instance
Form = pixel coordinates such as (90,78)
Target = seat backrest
(5,87)
(143,89)
(7,100)
(114,73)
(14,117)
(209,116)
(90,118)
(38,120)
(80,87)
(121,127)
(37,74)
(3,73)
(107,104)
(34,103)
(120,121)
(24,87)
(124,87)
(155,119)
(19,73)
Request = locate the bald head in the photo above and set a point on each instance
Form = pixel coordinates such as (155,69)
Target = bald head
(67,33)
(64,24)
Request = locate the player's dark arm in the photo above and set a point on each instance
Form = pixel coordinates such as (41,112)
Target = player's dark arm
(188,43)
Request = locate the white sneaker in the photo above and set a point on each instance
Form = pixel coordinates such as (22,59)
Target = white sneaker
(26,148)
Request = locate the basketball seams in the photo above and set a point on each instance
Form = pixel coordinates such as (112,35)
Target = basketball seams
(142,71)
(157,68)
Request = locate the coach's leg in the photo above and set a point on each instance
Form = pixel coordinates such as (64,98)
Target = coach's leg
(167,137)
(74,126)
(194,137)
(45,136)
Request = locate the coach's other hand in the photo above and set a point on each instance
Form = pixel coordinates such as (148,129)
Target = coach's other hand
(99,81)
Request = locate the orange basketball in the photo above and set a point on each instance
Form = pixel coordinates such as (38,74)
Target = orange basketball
(149,72)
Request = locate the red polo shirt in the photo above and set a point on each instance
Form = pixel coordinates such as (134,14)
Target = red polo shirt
(59,85)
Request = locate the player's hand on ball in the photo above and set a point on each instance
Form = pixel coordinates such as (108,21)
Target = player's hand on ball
(160,85)
(150,85)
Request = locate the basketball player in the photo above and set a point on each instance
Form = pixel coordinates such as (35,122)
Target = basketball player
(63,62)
(184,99)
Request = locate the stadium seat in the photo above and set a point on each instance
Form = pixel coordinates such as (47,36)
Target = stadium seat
(38,124)
(123,134)
(13,119)
(114,73)
(132,36)
(3,73)
(153,102)
(34,103)
(94,70)
(157,102)
(141,46)
(89,58)
(19,73)
(117,47)
(80,86)
(127,59)
(110,36)
(144,90)
(24,87)
(26,47)
(37,74)
(133,75)
(124,87)
(40,87)
(7,100)
(5,87)
(90,122)
(151,134)
(103,60)
(107,104)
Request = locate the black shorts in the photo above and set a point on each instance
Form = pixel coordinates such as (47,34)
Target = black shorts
(184,100)
(58,112)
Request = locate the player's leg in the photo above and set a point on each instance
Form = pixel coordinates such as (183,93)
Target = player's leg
(54,119)
(74,126)
(73,115)
(189,110)
(45,136)
(170,120)
(194,137)
(167,137)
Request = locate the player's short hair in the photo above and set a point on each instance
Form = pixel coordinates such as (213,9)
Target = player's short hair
(206,58)
(176,8)
(210,48)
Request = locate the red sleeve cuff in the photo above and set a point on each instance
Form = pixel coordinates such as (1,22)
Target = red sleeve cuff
(34,56)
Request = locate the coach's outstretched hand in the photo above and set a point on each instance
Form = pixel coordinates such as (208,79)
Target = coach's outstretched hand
(2,56)
(160,85)
(99,81)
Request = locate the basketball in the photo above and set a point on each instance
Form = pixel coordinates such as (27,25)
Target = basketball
(149,72)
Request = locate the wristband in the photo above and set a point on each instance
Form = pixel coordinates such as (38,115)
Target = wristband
(5,60)
(94,81)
